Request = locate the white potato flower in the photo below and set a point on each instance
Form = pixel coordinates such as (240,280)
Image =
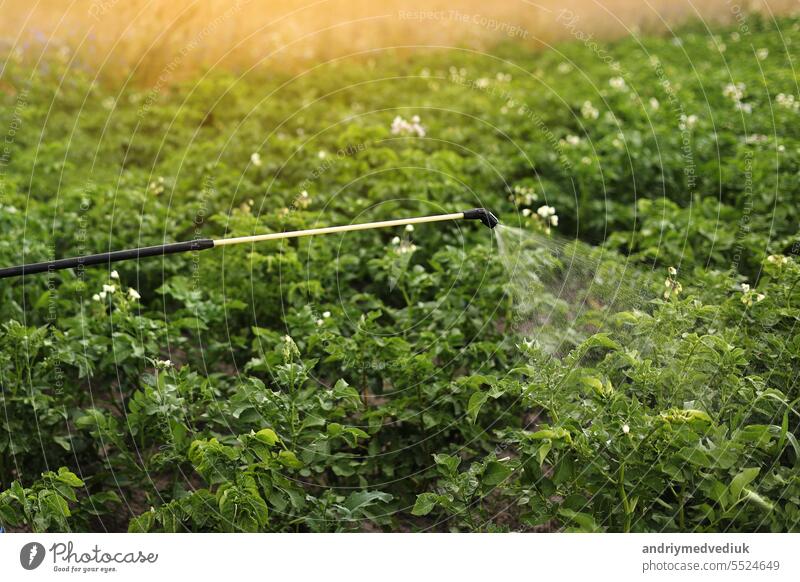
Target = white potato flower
(750,296)
(406,248)
(734,91)
(787,101)
(688,121)
(589,111)
(402,127)
(545,211)
(777,259)
(303,199)
(673,286)
(618,83)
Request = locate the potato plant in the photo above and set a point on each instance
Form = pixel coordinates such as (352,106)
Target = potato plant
(397,380)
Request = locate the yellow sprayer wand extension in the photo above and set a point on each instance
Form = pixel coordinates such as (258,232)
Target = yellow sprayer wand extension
(481,214)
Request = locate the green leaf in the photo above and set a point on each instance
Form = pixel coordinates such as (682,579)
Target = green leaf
(352,434)
(18,492)
(678,416)
(91,419)
(564,471)
(751,495)
(289,459)
(63,442)
(361,499)
(495,473)
(348,394)
(42,301)
(585,521)
(357,432)
(784,431)
(53,506)
(142,523)
(552,434)
(758,435)
(695,456)
(598,340)
(724,455)
(742,480)
(267,436)
(474,405)
(449,463)
(541,454)
(425,504)
(68,477)
(592,382)
(8,515)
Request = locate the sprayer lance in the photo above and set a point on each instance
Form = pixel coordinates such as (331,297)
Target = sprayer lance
(481,214)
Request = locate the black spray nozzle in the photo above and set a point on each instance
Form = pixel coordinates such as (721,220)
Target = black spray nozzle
(485,216)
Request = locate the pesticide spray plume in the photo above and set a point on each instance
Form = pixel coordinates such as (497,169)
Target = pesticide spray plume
(482,214)
(563,291)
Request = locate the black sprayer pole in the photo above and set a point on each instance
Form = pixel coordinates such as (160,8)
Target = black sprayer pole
(481,214)
(106,258)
